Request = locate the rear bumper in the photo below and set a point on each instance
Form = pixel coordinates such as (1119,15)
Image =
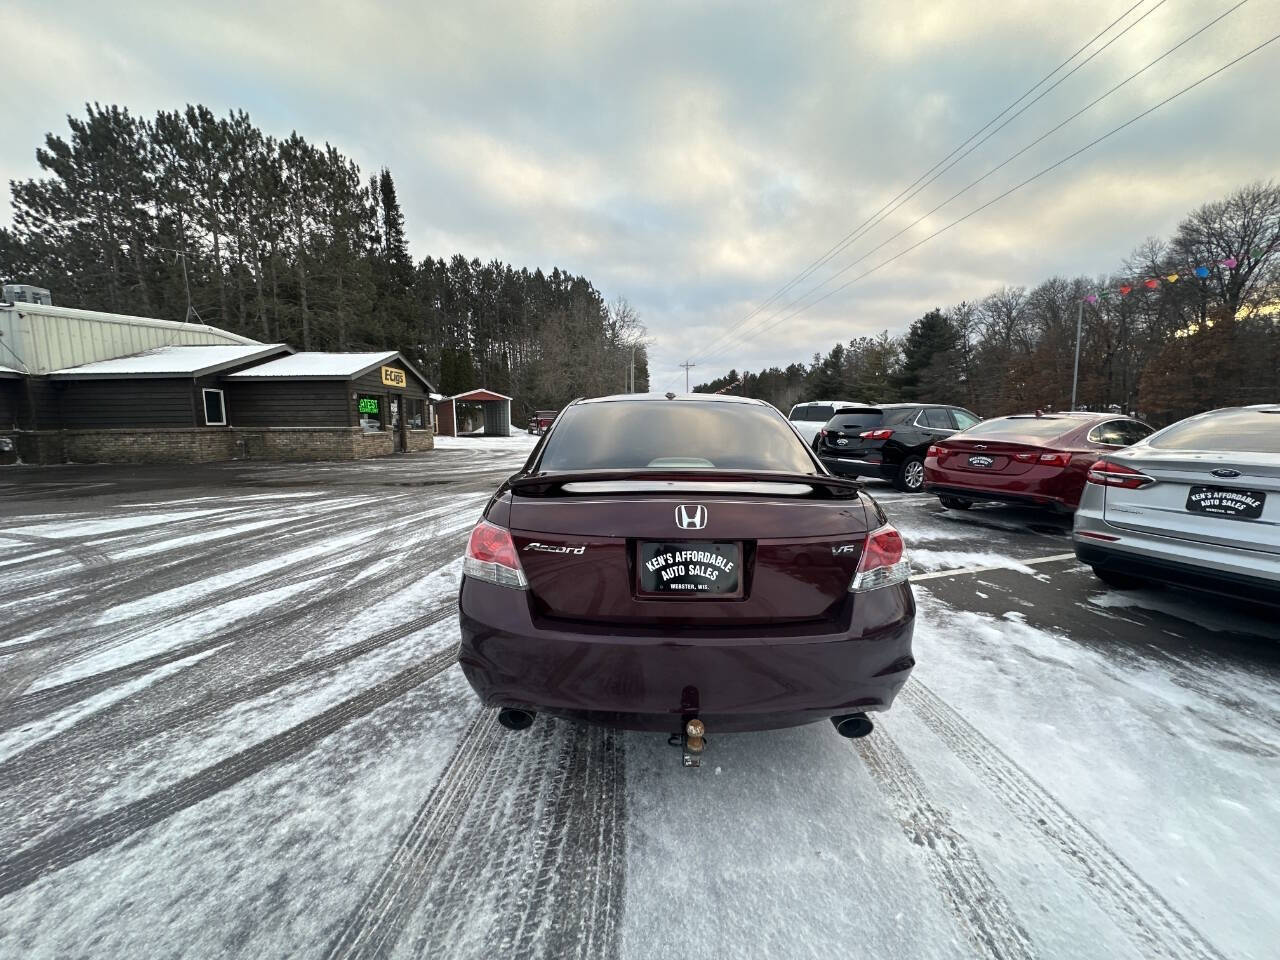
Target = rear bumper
(649,680)
(1179,573)
(979,494)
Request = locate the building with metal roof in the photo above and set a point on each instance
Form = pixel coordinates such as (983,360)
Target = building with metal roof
(37,339)
(98,387)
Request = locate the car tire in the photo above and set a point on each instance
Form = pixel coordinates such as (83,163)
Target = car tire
(954,503)
(1118,581)
(910,478)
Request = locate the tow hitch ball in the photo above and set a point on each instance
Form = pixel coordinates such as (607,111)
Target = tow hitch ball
(693,741)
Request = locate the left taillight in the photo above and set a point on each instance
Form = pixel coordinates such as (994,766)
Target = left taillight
(491,556)
(1107,474)
(883,563)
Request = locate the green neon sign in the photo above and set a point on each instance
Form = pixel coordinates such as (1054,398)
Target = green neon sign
(368,404)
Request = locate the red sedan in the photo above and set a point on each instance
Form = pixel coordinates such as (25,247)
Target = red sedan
(1033,459)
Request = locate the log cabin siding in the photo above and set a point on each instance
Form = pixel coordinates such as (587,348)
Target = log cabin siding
(143,402)
(289,403)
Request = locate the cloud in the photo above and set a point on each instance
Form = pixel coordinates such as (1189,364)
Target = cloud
(694,158)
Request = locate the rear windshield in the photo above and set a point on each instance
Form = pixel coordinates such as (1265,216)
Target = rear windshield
(848,417)
(676,434)
(1235,431)
(1034,428)
(813,412)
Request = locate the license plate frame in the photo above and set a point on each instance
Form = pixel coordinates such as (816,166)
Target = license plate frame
(1230,502)
(702,574)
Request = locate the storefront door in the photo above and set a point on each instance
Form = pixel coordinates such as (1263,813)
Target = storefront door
(397,423)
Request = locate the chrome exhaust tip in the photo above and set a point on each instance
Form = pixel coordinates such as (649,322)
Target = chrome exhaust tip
(853,725)
(515,719)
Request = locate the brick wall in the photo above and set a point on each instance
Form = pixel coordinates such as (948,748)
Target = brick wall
(420,440)
(203,445)
(170,445)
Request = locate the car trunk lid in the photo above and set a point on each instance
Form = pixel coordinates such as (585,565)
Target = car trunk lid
(1009,458)
(1189,501)
(756,550)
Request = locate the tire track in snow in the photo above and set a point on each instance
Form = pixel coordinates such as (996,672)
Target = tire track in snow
(380,918)
(1152,922)
(79,841)
(77,547)
(527,828)
(26,707)
(38,760)
(986,917)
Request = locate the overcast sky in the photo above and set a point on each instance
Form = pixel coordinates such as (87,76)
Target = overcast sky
(695,157)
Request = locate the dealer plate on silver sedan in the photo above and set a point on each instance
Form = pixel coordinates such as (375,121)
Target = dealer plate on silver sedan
(1226,502)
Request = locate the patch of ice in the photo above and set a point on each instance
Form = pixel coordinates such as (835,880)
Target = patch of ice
(1190,608)
(90,528)
(931,560)
(18,739)
(151,642)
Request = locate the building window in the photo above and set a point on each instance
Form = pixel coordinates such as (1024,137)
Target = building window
(370,410)
(417,414)
(215,408)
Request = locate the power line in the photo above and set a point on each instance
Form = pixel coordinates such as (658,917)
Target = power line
(1030,179)
(852,235)
(999,166)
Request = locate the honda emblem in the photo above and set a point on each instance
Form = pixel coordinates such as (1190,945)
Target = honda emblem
(691,516)
(1226,473)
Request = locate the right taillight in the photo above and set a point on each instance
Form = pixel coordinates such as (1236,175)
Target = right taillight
(883,563)
(876,434)
(491,556)
(1109,474)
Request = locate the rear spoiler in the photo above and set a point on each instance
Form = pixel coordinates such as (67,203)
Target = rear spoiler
(820,485)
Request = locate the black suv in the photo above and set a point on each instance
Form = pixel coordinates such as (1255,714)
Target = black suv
(889,440)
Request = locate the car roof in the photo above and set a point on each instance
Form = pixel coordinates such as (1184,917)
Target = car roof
(649,397)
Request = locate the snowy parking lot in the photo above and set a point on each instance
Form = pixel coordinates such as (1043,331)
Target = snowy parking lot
(231,726)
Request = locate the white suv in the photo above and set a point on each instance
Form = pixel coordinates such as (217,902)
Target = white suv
(811,416)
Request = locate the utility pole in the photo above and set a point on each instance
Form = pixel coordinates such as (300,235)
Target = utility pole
(687,366)
(631,380)
(1075,376)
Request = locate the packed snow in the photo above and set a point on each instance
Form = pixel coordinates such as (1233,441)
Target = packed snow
(231,725)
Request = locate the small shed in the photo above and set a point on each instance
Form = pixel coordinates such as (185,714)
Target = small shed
(495,408)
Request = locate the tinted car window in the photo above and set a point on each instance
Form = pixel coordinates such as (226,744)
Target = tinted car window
(938,418)
(1107,433)
(1036,428)
(856,418)
(901,416)
(1239,431)
(813,412)
(633,434)
(964,419)
(1131,431)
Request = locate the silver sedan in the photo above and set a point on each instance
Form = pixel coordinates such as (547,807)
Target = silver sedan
(1196,504)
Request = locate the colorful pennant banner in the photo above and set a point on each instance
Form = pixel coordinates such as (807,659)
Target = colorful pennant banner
(1202,271)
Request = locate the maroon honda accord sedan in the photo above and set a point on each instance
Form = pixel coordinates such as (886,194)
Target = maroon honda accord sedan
(684,563)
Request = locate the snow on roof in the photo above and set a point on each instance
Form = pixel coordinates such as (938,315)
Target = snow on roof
(319,365)
(9,371)
(480,393)
(186,361)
